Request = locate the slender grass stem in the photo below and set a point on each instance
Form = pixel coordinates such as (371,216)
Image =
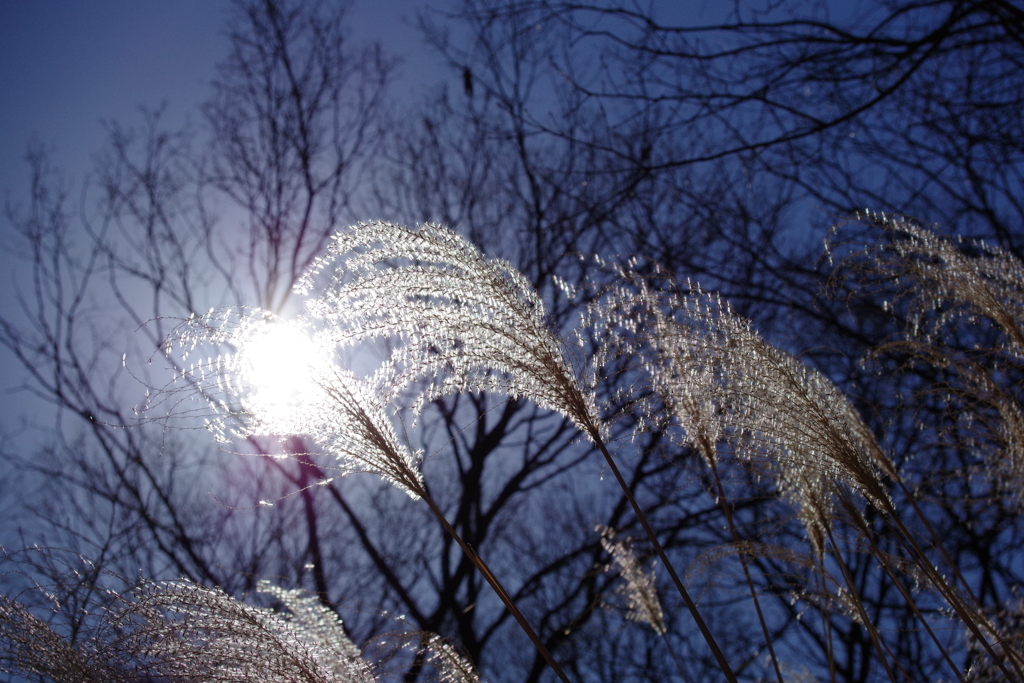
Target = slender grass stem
(485,571)
(826,625)
(940,546)
(906,539)
(887,566)
(859,604)
(687,600)
(746,570)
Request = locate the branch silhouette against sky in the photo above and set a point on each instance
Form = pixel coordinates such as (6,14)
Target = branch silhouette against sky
(688,373)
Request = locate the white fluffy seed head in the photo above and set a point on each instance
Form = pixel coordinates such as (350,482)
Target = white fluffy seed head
(724,384)
(457,321)
(639,588)
(263,376)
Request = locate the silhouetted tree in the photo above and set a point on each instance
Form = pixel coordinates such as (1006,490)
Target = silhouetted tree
(720,149)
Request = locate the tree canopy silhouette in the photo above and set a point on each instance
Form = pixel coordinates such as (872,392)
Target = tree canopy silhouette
(657,265)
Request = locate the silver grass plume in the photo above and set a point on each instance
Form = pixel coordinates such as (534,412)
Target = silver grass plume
(640,589)
(30,647)
(340,412)
(176,630)
(941,285)
(723,382)
(186,631)
(450,665)
(937,276)
(461,322)
(456,321)
(321,627)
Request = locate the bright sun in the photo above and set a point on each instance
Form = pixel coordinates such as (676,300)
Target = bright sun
(281,368)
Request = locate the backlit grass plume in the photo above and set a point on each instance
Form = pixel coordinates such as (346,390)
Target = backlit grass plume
(88,625)
(262,375)
(185,631)
(948,291)
(462,322)
(455,321)
(181,631)
(941,280)
(320,627)
(640,589)
(29,646)
(724,384)
(451,666)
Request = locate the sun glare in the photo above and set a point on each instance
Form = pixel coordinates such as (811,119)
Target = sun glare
(281,367)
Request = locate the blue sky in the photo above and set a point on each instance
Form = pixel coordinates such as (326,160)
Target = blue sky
(67,65)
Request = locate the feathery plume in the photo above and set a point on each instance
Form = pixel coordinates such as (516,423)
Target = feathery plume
(262,375)
(450,665)
(187,631)
(31,647)
(178,630)
(640,589)
(941,282)
(318,625)
(937,277)
(462,322)
(723,382)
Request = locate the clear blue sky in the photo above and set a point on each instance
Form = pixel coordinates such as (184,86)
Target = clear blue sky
(65,65)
